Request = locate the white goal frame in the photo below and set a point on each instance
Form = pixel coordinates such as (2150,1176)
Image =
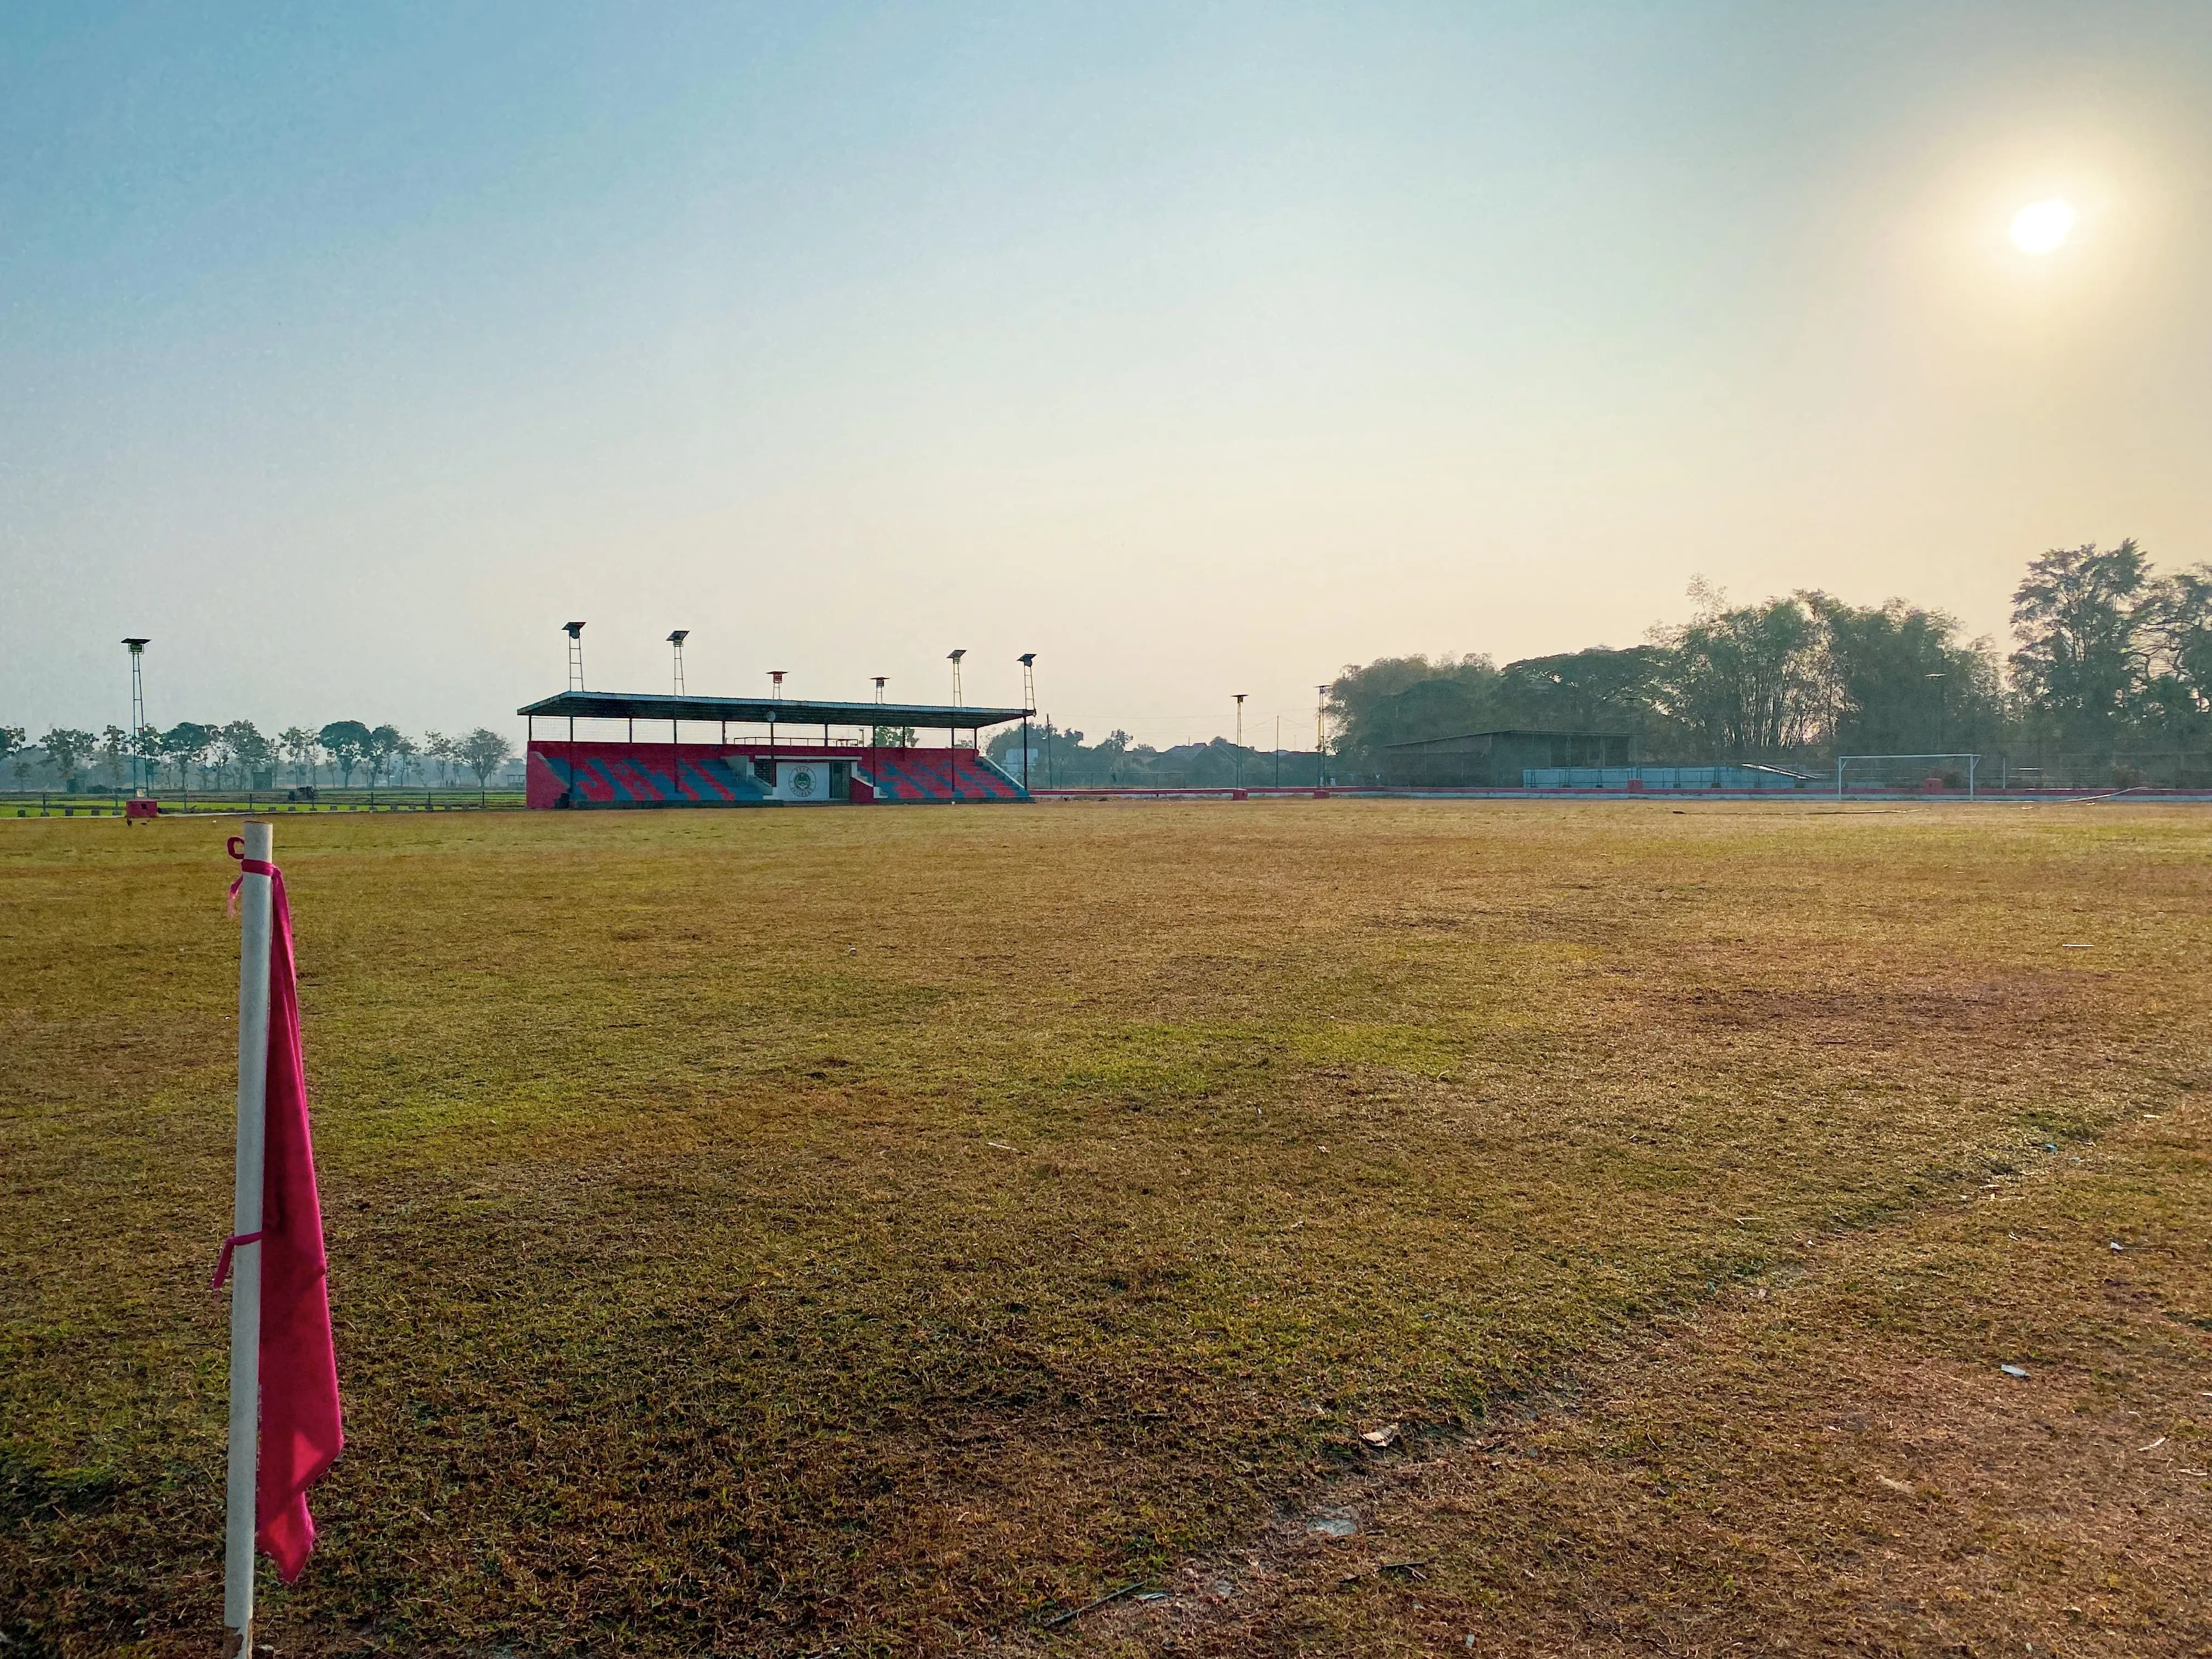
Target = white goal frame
(1844,761)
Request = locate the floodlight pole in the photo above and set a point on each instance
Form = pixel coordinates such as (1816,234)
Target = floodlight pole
(137,648)
(1938,679)
(775,695)
(676,640)
(1321,737)
(954,658)
(1237,761)
(574,630)
(1028,661)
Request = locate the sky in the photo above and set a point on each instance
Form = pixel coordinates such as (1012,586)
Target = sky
(347,351)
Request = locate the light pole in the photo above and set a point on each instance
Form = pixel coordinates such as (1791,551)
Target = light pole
(1938,679)
(1321,737)
(1237,773)
(1028,661)
(137,713)
(576,633)
(954,658)
(676,640)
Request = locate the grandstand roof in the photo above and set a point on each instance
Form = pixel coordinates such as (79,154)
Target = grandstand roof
(762,711)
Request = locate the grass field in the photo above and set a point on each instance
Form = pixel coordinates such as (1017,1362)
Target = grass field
(873,1231)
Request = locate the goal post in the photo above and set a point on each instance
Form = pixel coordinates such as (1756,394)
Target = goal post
(1891,763)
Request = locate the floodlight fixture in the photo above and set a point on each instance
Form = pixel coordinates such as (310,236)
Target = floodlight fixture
(776,682)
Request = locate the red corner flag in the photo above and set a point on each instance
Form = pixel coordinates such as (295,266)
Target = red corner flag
(301,1435)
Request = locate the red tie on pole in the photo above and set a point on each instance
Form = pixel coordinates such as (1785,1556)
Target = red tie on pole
(301,1435)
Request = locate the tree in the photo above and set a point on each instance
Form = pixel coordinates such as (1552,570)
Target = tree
(68,749)
(1742,678)
(483,751)
(217,759)
(385,747)
(115,755)
(1895,680)
(439,748)
(2080,617)
(182,744)
(1596,689)
(2177,693)
(11,741)
(248,750)
(893,737)
(1406,699)
(300,747)
(346,742)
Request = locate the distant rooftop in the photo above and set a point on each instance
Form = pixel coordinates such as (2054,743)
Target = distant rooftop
(765,711)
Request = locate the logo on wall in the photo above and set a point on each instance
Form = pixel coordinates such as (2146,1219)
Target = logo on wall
(802,781)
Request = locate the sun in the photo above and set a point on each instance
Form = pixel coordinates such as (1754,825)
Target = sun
(2042,226)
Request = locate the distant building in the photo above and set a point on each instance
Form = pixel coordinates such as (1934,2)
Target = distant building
(1496,760)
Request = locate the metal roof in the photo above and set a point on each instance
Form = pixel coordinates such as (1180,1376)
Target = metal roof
(764,711)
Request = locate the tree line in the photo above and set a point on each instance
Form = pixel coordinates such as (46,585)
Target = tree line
(2111,660)
(1062,758)
(239,755)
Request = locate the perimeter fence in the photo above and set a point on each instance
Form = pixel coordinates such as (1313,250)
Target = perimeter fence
(66,804)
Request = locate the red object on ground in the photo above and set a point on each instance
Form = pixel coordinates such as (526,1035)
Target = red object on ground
(300,1433)
(1637,784)
(139,807)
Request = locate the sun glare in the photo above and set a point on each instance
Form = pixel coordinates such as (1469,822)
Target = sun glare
(2041,226)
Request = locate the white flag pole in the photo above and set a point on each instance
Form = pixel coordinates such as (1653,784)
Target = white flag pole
(254,908)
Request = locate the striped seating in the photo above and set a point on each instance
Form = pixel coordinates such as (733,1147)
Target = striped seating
(651,775)
(614,774)
(919,774)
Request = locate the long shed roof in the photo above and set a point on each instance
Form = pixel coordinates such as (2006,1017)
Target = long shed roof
(763,711)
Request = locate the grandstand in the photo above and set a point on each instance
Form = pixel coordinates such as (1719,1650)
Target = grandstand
(663,757)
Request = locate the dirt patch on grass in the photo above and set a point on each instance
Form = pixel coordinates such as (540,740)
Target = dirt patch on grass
(1830,1458)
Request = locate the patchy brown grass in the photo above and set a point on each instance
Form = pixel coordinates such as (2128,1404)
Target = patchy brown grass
(773,1231)
(1825,1460)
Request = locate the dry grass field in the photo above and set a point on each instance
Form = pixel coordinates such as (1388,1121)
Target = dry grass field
(876,1231)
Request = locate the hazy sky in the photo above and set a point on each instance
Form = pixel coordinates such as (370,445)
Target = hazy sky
(348,350)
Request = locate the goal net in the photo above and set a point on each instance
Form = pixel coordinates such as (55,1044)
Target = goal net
(1891,775)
